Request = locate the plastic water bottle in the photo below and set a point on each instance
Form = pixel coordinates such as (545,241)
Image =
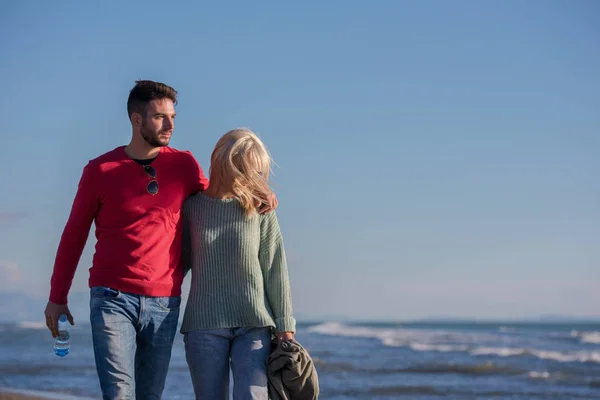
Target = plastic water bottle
(61,343)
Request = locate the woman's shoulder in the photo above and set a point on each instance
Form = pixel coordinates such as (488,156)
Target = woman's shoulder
(226,207)
(269,221)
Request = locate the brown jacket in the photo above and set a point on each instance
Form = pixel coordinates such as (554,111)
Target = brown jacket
(291,372)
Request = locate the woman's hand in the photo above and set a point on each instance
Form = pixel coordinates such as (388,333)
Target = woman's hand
(271,206)
(282,336)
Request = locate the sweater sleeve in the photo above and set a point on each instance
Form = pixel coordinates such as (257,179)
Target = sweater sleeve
(275,273)
(186,245)
(75,234)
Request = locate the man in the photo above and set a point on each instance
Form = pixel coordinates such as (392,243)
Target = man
(134,194)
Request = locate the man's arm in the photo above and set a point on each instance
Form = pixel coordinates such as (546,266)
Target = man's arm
(72,242)
(199,179)
(186,246)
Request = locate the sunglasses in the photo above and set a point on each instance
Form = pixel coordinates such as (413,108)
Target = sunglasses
(152,187)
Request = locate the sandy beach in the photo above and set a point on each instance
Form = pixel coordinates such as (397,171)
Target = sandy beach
(18,396)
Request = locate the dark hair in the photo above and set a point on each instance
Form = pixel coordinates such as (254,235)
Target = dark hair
(144,92)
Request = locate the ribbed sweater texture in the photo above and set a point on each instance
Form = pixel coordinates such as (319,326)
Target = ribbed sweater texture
(238,265)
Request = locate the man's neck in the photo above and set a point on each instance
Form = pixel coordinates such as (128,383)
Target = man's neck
(141,151)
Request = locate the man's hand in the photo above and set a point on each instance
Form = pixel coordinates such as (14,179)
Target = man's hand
(53,312)
(272,205)
(283,336)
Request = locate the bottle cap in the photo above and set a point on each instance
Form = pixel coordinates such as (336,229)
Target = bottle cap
(63,318)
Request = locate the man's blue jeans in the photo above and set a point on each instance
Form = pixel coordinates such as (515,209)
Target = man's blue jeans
(208,352)
(133,337)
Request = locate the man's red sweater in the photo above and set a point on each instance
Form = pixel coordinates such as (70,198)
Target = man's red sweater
(138,247)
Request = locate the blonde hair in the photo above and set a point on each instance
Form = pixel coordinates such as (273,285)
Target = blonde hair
(240,161)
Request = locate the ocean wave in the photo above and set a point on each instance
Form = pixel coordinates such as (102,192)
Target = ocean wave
(442,348)
(434,368)
(444,341)
(539,375)
(419,391)
(590,337)
(36,370)
(463,369)
(339,329)
(497,351)
(404,390)
(563,378)
(387,391)
(334,367)
(507,329)
(576,356)
(400,337)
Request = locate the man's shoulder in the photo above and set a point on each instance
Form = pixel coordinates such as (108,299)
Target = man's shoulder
(185,155)
(173,150)
(105,161)
(112,155)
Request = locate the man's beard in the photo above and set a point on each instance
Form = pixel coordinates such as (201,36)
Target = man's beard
(152,138)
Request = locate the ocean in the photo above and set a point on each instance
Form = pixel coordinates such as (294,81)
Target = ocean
(372,361)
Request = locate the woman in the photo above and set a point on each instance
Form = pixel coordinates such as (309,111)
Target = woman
(240,291)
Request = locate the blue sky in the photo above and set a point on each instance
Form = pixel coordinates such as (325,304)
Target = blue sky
(434,158)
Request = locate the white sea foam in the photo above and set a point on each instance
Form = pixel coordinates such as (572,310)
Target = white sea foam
(442,348)
(539,375)
(579,356)
(590,337)
(395,337)
(497,351)
(476,344)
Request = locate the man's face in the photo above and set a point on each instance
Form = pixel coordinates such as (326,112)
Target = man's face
(158,123)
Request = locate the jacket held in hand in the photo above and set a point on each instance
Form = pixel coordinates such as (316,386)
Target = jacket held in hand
(291,372)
